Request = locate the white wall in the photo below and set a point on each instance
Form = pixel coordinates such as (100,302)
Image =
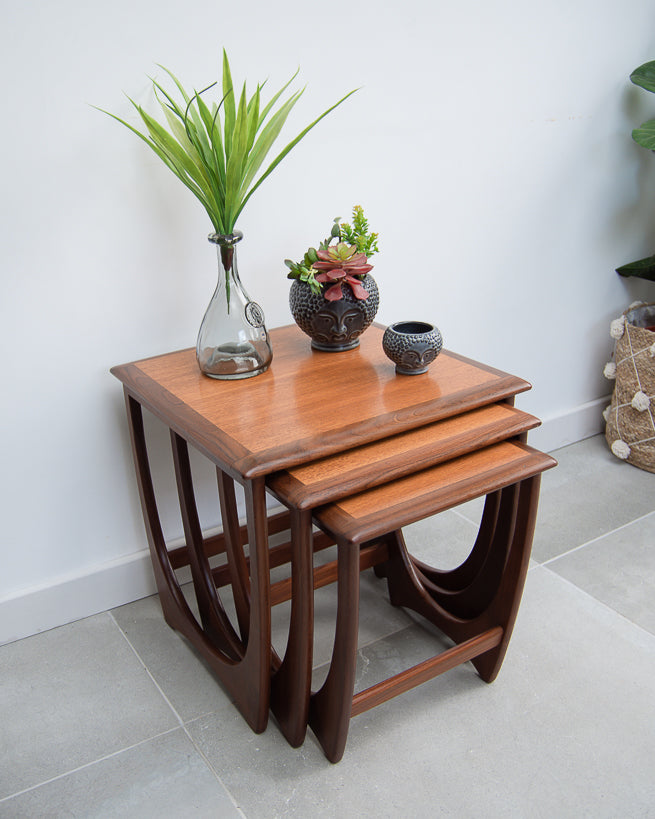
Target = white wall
(489,145)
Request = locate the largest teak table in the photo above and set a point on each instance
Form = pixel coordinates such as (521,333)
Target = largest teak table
(352,448)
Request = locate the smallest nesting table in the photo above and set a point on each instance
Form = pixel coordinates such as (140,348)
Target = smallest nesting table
(359,452)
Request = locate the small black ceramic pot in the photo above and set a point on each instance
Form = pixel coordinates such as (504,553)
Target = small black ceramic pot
(412,346)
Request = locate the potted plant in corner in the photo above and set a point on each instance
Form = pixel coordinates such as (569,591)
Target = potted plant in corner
(334,298)
(644,77)
(218,151)
(630,418)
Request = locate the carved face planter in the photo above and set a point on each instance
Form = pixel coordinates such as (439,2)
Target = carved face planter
(334,326)
(412,346)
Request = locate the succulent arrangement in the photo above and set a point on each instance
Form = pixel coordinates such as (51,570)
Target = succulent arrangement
(344,263)
(218,150)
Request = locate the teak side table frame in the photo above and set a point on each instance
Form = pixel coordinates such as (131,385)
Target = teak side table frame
(250,429)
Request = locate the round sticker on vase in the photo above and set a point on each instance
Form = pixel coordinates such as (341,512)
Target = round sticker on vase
(254,314)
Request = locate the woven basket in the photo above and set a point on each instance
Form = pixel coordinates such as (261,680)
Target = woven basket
(630,418)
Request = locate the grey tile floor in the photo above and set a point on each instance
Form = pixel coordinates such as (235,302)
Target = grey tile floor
(115,716)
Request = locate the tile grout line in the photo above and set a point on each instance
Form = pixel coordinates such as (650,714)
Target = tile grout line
(147,670)
(596,539)
(461,515)
(606,606)
(181,722)
(87,765)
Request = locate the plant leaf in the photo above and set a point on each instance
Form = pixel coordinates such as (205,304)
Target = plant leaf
(253,118)
(229,104)
(201,156)
(171,102)
(195,136)
(179,85)
(642,269)
(275,98)
(213,130)
(236,162)
(191,110)
(180,134)
(644,76)
(645,135)
(265,141)
(289,147)
(188,110)
(168,144)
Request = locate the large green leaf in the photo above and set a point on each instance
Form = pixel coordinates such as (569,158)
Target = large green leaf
(645,135)
(229,104)
(644,76)
(213,130)
(265,140)
(642,269)
(236,161)
(269,105)
(253,117)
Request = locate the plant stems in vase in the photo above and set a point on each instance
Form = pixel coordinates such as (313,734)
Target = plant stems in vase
(218,151)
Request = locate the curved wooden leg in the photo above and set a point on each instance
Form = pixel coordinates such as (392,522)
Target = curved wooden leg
(330,708)
(246,676)
(505,605)
(461,576)
(215,621)
(291,682)
(236,561)
(469,599)
(499,596)
(257,671)
(175,608)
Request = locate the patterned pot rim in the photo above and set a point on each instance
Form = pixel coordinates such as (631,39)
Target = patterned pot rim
(411,328)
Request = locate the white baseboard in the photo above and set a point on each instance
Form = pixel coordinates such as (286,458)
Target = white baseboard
(122,581)
(71,598)
(568,427)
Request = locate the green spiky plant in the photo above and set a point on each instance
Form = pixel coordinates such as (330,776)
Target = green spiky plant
(218,150)
(644,77)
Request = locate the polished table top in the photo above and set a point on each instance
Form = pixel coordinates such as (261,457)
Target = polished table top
(309,404)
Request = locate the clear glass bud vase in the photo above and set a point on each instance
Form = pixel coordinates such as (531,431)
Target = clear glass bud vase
(233,341)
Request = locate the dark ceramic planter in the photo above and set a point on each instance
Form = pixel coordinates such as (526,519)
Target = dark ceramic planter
(412,346)
(333,326)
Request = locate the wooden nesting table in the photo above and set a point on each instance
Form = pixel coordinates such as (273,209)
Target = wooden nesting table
(356,451)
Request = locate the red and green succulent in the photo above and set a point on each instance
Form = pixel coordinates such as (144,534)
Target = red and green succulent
(343,263)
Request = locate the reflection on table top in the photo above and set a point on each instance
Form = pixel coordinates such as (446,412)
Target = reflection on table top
(309,404)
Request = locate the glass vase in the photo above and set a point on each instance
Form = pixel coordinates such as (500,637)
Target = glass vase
(233,342)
